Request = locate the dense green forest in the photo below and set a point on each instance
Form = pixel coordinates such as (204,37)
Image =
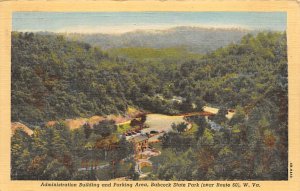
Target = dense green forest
(56,153)
(54,78)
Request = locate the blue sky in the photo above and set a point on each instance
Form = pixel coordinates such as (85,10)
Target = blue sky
(119,22)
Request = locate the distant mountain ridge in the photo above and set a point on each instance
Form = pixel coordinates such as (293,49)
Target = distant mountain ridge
(194,39)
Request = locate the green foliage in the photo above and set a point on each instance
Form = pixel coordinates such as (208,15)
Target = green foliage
(146,169)
(201,123)
(123,128)
(174,166)
(52,153)
(132,174)
(180,128)
(54,78)
(105,128)
(221,116)
(192,131)
(176,141)
(87,130)
(151,53)
(253,144)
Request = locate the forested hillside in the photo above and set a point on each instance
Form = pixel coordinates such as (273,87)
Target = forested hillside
(194,39)
(54,78)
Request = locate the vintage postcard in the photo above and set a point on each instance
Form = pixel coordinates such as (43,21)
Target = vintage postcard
(177,95)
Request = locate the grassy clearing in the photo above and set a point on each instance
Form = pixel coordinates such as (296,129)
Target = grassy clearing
(122,128)
(160,122)
(151,53)
(132,111)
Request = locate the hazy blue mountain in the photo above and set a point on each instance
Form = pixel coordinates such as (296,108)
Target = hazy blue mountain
(195,39)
